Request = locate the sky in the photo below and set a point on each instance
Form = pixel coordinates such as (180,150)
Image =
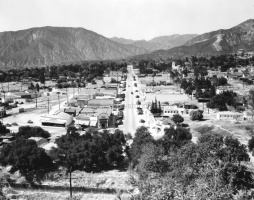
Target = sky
(131,19)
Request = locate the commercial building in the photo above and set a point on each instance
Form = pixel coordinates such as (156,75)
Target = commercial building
(99,117)
(115,73)
(57,119)
(95,103)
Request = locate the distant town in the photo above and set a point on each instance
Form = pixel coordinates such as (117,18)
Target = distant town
(70,126)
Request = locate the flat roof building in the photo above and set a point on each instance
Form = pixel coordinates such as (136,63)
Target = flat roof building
(57,119)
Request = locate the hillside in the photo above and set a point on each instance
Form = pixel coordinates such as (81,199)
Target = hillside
(213,43)
(162,42)
(48,45)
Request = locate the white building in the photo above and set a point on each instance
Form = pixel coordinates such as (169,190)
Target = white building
(169,111)
(229,116)
(57,119)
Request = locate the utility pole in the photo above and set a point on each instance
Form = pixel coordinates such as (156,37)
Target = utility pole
(67,96)
(48,105)
(58,100)
(36,98)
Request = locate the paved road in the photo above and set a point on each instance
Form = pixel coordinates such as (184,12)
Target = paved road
(131,119)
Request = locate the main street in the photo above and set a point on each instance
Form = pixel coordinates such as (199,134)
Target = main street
(130,112)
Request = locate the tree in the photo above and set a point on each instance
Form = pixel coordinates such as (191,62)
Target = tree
(31,86)
(42,77)
(177,118)
(212,91)
(184,84)
(175,138)
(37,87)
(3,129)
(93,151)
(196,115)
(24,155)
(28,131)
(142,137)
(251,144)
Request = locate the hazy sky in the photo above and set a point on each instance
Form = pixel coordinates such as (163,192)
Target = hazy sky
(133,19)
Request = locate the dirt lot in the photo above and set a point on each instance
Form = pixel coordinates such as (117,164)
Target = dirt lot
(41,195)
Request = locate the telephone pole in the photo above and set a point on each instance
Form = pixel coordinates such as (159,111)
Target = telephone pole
(36,98)
(58,100)
(67,96)
(48,105)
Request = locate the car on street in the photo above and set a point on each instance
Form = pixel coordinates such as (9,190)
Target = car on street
(131,92)
(137,96)
(30,121)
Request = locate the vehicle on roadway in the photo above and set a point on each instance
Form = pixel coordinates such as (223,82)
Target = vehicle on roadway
(131,92)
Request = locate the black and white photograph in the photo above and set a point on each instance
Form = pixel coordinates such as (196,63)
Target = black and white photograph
(127,99)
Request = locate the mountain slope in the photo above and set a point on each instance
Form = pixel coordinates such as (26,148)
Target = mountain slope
(162,42)
(216,42)
(48,45)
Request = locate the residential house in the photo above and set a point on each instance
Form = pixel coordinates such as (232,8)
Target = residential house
(229,116)
(39,141)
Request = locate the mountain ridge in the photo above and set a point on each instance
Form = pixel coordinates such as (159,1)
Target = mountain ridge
(160,42)
(47,45)
(222,41)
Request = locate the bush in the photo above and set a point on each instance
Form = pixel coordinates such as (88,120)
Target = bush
(177,118)
(196,115)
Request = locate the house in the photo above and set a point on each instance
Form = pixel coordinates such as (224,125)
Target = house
(229,116)
(136,71)
(57,119)
(39,141)
(164,123)
(6,139)
(2,112)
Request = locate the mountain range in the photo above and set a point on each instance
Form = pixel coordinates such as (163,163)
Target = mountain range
(48,45)
(162,42)
(218,42)
(53,45)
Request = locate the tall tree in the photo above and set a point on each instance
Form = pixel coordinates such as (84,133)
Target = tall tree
(37,87)
(42,77)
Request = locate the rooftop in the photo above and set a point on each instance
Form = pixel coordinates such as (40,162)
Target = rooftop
(59,115)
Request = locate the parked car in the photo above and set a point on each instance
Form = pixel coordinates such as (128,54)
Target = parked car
(14,124)
(131,92)
(142,121)
(137,96)
(30,121)
(140,112)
